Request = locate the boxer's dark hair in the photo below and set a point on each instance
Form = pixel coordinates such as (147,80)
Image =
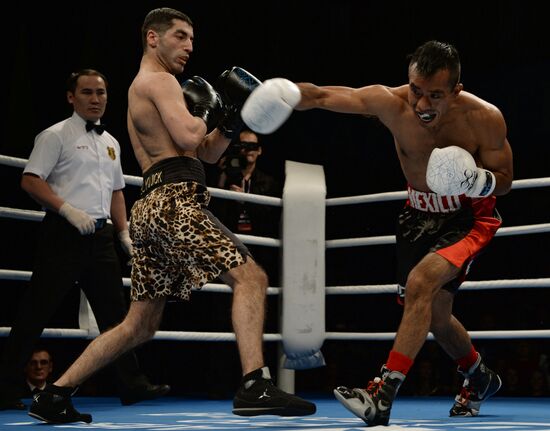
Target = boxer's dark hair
(160,20)
(72,81)
(434,56)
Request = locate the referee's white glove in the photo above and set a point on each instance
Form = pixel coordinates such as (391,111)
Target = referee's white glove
(126,242)
(78,218)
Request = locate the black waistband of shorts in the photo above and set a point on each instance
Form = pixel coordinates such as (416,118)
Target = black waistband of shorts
(173,170)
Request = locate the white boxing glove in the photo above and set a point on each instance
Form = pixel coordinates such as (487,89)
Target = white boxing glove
(452,171)
(78,218)
(270,105)
(126,242)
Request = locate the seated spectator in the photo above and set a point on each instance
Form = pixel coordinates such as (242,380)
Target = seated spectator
(37,371)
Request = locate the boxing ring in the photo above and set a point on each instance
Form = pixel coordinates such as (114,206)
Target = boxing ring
(177,414)
(414,413)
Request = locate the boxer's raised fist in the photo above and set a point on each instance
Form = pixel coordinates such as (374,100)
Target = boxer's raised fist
(203,101)
(270,104)
(234,86)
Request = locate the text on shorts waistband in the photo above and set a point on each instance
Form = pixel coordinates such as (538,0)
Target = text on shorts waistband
(173,170)
(434,203)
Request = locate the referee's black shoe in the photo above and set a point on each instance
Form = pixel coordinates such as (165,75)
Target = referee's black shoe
(54,405)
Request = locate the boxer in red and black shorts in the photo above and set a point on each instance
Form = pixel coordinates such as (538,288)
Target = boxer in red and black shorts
(455,155)
(457,228)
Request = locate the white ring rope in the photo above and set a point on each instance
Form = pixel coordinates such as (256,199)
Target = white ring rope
(268,200)
(341,336)
(10,274)
(402,195)
(331,290)
(220,193)
(480,335)
(390,239)
(19,214)
(33,215)
(467,285)
(159,335)
(16,162)
(138,181)
(17,275)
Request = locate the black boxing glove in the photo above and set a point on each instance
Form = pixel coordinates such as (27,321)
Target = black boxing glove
(203,101)
(231,122)
(234,86)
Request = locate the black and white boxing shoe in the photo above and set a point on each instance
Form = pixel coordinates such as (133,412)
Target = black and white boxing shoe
(479,384)
(374,403)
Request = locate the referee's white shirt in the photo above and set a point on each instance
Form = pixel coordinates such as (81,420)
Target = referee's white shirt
(83,168)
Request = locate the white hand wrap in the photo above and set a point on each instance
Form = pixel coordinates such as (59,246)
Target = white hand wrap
(126,242)
(452,171)
(270,105)
(78,218)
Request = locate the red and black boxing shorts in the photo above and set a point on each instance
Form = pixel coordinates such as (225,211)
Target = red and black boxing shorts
(457,228)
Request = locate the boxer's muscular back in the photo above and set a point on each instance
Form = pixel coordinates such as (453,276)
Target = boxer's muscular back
(149,136)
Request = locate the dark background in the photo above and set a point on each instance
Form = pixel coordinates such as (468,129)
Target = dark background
(505,53)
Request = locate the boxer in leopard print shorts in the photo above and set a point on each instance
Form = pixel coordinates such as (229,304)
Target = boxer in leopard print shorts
(178,243)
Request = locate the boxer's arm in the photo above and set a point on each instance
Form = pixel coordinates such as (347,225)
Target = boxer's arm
(186,130)
(213,146)
(270,104)
(374,100)
(203,101)
(495,153)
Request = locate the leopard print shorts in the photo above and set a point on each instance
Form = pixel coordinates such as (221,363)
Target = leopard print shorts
(178,243)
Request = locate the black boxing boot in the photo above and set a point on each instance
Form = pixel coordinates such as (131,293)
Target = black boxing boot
(54,405)
(257,395)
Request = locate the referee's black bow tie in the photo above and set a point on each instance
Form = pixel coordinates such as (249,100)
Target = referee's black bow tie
(99,128)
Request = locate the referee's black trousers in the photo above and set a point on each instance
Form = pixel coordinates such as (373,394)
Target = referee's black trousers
(64,258)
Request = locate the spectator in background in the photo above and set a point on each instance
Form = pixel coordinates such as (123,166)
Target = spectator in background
(37,371)
(240,173)
(450,143)
(74,172)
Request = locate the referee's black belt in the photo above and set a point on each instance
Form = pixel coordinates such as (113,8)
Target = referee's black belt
(100,223)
